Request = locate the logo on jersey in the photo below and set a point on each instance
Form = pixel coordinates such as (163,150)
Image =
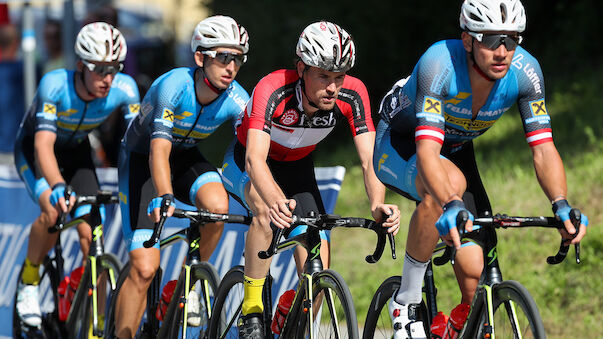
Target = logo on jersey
(458,98)
(134,108)
(289,117)
(168,115)
(382,161)
(432,105)
(50,109)
(538,107)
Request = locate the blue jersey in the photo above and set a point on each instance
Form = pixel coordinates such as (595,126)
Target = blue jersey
(57,107)
(171,111)
(435,101)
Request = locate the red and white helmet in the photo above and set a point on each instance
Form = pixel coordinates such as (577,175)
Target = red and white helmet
(220,31)
(493,15)
(99,41)
(326,45)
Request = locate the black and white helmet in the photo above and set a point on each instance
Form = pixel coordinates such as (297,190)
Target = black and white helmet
(220,31)
(493,15)
(99,41)
(326,45)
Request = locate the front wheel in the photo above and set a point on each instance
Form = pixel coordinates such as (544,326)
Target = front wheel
(335,316)
(204,281)
(227,306)
(81,322)
(515,314)
(378,323)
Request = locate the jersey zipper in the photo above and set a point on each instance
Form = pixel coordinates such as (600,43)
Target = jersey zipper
(78,124)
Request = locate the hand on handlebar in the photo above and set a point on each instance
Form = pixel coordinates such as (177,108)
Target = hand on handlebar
(280,212)
(447,223)
(392,223)
(153,210)
(562,210)
(57,198)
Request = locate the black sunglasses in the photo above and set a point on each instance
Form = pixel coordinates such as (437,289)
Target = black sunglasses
(104,69)
(226,57)
(493,41)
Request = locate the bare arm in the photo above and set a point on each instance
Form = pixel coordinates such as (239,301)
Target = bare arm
(551,176)
(159,165)
(375,190)
(45,157)
(258,146)
(432,172)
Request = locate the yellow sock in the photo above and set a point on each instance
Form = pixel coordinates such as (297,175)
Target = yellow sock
(252,302)
(31,273)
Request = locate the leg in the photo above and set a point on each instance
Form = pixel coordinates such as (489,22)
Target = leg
(40,241)
(212,197)
(132,300)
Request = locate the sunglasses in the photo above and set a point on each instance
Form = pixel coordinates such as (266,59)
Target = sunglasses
(493,41)
(104,69)
(226,57)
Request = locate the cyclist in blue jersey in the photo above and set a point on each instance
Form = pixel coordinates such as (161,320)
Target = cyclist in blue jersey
(52,147)
(424,151)
(159,158)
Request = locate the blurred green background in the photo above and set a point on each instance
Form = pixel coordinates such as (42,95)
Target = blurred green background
(390,37)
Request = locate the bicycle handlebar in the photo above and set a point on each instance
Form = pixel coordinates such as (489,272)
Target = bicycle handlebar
(328,222)
(196,217)
(100,198)
(505,221)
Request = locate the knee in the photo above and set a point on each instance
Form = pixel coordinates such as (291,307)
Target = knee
(458,181)
(142,272)
(218,206)
(48,218)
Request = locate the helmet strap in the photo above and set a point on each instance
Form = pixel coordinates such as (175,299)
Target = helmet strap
(476,67)
(303,87)
(211,86)
(85,86)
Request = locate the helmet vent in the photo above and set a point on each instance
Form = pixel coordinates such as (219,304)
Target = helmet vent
(503,12)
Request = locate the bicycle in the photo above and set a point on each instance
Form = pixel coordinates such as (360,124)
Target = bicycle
(499,309)
(336,320)
(84,310)
(195,274)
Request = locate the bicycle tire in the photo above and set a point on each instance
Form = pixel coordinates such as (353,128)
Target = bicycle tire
(205,279)
(378,323)
(227,306)
(336,317)
(79,327)
(509,294)
(110,312)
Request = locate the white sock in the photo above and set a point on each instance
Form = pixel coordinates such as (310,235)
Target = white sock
(412,281)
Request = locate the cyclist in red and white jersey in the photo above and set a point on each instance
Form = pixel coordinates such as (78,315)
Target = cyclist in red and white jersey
(290,111)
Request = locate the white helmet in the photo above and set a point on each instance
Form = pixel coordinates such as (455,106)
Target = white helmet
(326,45)
(220,31)
(493,15)
(99,41)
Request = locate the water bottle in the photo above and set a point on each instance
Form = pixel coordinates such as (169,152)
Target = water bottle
(282,309)
(457,319)
(64,301)
(166,297)
(438,325)
(74,282)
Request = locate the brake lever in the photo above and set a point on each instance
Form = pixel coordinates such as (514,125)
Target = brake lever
(575,217)
(461,220)
(276,235)
(61,220)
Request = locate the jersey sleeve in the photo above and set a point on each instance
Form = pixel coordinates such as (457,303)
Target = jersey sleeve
(46,103)
(433,75)
(162,103)
(532,108)
(131,101)
(356,106)
(263,103)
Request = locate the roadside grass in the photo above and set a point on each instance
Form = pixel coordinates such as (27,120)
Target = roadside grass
(568,295)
